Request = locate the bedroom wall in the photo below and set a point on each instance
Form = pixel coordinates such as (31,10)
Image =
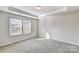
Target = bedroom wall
(62,27)
(4,29)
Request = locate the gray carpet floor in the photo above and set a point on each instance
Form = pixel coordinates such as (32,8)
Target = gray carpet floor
(37,45)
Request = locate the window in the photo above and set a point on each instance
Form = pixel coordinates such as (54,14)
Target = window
(26,26)
(15,26)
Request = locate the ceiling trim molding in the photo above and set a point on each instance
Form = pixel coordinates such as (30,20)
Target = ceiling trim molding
(6,9)
(14,9)
(65,9)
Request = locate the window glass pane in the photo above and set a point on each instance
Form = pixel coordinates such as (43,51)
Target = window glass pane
(26,26)
(15,26)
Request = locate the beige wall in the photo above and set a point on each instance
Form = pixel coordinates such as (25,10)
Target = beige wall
(63,27)
(4,29)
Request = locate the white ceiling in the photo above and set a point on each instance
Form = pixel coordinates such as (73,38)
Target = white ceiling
(45,10)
